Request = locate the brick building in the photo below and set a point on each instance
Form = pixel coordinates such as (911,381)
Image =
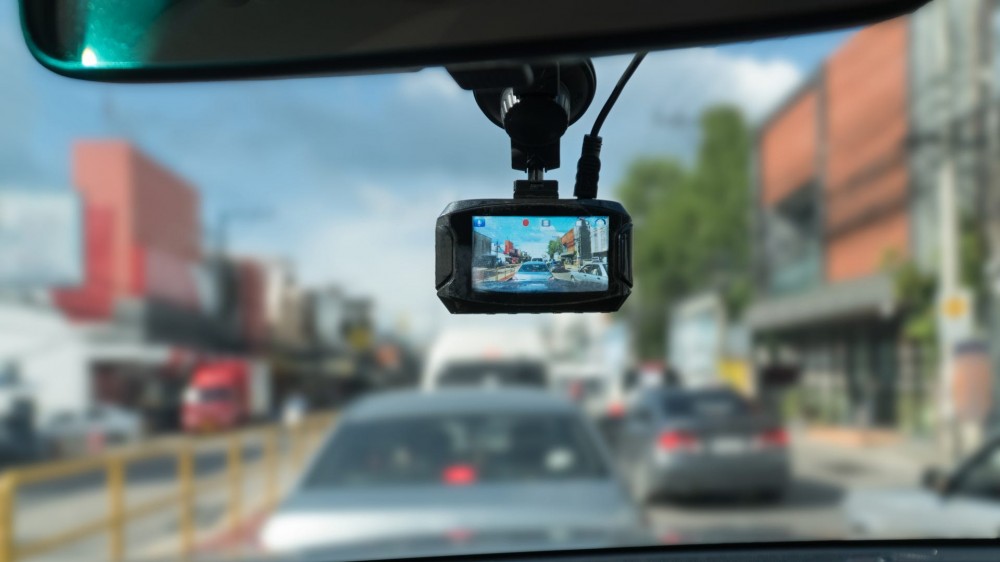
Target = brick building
(847,175)
(145,270)
(831,208)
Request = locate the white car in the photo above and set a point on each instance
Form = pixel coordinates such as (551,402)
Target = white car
(591,273)
(964,503)
(101,426)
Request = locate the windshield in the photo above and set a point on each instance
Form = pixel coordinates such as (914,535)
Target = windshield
(705,404)
(456,450)
(516,373)
(214,394)
(533,267)
(816,254)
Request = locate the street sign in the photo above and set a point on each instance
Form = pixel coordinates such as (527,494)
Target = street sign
(954,315)
(955,307)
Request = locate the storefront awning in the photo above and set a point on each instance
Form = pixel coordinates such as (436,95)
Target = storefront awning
(867,296)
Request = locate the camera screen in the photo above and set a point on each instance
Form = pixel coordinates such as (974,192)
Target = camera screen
(513,254)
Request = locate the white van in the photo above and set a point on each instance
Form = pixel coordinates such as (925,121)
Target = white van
(479,357)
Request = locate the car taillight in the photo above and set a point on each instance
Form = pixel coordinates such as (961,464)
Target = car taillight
(459,475)
(458,536)
(616,410)
(774,438)
(678,441)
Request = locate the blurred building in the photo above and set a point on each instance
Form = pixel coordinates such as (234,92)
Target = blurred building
(148,298)
(582,238)
(599,240)
(142,232)
(285,307)
(847,173)
(481,244)
(568,241)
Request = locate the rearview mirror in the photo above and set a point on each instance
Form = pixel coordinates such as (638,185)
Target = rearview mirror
(210,39)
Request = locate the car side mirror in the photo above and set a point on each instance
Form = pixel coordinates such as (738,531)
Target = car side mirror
(935,479)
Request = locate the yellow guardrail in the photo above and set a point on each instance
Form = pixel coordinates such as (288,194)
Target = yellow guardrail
(114,464)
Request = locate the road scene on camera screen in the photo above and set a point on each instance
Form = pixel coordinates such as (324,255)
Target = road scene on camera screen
(540,254)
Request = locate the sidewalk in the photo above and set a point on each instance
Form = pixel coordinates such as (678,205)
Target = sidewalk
(867,457)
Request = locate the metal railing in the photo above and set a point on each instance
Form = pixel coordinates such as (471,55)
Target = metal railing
(300,439)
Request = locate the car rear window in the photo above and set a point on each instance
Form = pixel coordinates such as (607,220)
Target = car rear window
(534,267)
(582,388)
(498,373)
(460,449)
(705,404)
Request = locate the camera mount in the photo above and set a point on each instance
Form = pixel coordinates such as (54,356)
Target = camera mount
(534,104)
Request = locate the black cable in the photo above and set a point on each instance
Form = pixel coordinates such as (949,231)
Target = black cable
(588,168)
(629,71)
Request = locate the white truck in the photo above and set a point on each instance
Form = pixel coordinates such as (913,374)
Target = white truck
(487,357)
(705,348)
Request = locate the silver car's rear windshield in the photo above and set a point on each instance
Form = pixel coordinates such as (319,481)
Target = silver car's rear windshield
(534,267)
(462,449)
(712,403)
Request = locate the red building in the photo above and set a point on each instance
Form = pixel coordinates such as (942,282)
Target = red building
(832,208)
(142,234)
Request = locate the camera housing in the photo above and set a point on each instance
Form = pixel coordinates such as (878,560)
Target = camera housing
(566,287)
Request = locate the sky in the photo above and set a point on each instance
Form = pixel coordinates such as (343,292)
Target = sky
(351,172)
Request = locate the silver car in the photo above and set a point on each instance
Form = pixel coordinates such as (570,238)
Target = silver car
(532,271)
(456,471)
(963,503)
(702,442)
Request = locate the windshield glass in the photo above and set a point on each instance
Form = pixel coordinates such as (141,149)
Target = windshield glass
(816,232)
(493,373)
(456,450)
(705,404)
(533,268)
(210,394)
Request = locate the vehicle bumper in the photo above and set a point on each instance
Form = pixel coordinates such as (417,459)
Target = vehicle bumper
(689,475)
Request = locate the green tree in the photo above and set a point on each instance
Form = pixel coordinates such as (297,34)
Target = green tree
(555,247)
(692,229)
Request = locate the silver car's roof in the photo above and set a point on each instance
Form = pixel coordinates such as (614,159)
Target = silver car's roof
(456,400)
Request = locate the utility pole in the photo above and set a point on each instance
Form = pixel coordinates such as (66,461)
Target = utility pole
(947,241)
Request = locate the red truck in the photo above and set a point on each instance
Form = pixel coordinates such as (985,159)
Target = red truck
(224,394)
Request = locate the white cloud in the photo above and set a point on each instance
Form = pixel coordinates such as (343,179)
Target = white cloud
(763,84)
(657,112)
(384,249)
(430,83)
